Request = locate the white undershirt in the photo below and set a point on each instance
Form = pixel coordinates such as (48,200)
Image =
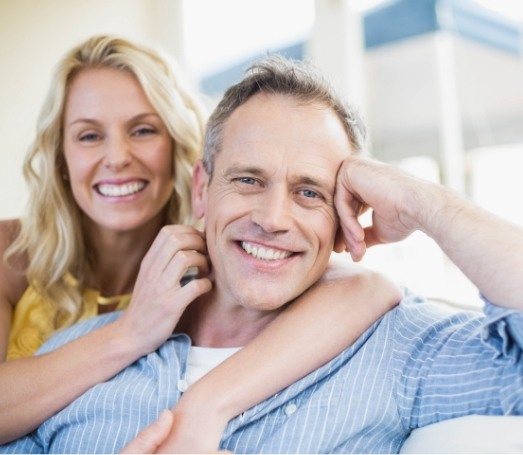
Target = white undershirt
(202,360)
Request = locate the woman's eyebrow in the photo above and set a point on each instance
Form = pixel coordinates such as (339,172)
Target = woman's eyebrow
(94,121)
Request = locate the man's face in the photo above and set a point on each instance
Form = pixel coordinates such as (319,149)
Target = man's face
(269,210)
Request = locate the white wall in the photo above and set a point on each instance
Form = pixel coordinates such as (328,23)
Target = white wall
(34,34)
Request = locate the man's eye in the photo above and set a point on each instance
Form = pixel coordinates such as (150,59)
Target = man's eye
(89,137)
(309,194)
(247,180)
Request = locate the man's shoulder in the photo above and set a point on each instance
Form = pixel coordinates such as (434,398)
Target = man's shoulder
(77,330)
(418,313)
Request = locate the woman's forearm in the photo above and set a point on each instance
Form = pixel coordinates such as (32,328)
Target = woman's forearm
(306,335)
(35,388)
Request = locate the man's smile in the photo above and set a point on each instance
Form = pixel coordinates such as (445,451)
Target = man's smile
(264,253)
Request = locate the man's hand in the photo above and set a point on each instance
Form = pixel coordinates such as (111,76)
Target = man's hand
(488,250)
(393,195)
(149,439)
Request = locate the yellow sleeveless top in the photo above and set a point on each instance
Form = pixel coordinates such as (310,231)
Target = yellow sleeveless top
(34,318)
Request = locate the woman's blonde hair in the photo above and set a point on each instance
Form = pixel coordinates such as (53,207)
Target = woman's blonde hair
(51,233)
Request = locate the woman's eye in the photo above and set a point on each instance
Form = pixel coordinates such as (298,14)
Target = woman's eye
(89,137)
(144,131)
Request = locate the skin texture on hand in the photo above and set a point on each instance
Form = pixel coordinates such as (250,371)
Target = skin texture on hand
(364,183)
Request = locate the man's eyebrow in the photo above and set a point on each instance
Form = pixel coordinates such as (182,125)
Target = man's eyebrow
(233,170)
(314,181)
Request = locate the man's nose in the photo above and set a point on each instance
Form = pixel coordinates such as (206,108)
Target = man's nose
(273,212)
(118,154)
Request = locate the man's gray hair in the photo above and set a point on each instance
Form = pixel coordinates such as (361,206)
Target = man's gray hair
(277,75)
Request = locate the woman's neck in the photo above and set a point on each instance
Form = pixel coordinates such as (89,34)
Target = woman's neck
(116,255)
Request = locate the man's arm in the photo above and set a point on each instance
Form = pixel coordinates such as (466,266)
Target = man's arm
(486,248)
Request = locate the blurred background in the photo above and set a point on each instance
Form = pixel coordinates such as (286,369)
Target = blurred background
(439,82)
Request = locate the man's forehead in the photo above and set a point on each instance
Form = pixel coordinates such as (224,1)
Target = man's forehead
(275,130)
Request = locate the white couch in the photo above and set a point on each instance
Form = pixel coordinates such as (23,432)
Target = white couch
(471,434)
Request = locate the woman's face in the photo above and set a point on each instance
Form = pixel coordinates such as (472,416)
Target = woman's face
(117,150)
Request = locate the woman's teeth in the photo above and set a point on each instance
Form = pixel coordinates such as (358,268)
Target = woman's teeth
(125,189)
(264,253)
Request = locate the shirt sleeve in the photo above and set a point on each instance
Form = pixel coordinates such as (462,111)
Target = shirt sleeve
(76,331)
(26,444)
(452,365)
(503,331)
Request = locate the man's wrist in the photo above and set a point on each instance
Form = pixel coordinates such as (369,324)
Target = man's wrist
(427,202)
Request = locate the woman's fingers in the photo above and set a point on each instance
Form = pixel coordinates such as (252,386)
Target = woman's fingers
(150,438)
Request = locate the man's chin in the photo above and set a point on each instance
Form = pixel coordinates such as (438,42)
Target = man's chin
(267,301)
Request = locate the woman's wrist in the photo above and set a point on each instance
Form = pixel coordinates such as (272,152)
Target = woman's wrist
(197,427)
(124,346)
(197,403)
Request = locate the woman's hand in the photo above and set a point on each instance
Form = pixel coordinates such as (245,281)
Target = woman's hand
(197,426)
(158,298)
(150,438)
(170,434)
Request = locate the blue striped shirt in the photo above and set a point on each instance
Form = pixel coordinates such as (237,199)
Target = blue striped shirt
(416,366)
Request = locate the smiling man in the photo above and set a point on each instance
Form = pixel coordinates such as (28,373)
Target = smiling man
(268,201)
(278,168)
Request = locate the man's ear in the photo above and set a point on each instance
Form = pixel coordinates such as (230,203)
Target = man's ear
(200,180)
(339,241)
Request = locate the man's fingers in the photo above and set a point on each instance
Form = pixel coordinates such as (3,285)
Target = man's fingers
(371,238)
(148,440)
(357,250)
(352,230)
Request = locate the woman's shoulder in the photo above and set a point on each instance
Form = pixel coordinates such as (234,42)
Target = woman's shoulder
(9,229)
(12,278)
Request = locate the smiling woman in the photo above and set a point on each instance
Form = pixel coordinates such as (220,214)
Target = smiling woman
(110,166)
(117,152)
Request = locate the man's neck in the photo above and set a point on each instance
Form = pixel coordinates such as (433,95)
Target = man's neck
(211,323)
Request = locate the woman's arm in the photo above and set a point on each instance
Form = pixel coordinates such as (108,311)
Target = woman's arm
(35,388)
(12,283)
(308,333)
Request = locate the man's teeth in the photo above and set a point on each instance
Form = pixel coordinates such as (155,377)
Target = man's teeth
(124,189)
(264,253)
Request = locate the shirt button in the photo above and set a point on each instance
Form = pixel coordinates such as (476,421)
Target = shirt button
(290,409)
(182,385)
